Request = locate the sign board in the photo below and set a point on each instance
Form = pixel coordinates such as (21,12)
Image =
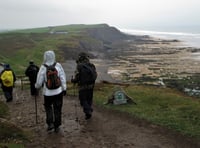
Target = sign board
(119,98)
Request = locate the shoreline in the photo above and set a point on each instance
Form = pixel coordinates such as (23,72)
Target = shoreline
(149,61)
(187,38)
(157,59)
(152,62)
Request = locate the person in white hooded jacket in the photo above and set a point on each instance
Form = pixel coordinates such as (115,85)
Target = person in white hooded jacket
(53,98)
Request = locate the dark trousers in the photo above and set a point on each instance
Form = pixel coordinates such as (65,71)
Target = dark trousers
(8,92)
(53,108)
(33,89)
(86,100)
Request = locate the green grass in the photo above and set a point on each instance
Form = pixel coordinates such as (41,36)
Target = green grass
(20,46)
(9,133)
(3,110)
(67,28)
(161,106)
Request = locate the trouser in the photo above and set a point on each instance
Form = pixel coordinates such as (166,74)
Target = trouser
(33,89)
(53,108)
(86,100)
(8,92)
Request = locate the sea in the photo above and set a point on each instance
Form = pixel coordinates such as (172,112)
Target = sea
(189,39)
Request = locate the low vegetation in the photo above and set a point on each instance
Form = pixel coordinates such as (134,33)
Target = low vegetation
(9,132)
(161,106)
(165,107)
(18,47)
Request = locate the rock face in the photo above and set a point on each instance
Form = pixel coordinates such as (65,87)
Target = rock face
(96,39)
(107,34)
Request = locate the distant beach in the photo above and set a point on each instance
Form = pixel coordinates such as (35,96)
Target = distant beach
(188,39)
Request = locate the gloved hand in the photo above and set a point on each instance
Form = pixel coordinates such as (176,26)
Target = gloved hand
(64,92)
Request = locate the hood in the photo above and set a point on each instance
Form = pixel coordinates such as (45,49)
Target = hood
(49,57)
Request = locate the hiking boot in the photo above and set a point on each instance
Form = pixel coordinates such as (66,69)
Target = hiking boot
(88,116)
(8,100)
(50,127)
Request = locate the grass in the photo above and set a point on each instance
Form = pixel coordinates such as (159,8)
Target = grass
(160,106)
(3,110)
(9,133)
(20,46)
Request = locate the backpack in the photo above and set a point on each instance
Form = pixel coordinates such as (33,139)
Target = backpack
(53,80)
(87,73)
(7,78)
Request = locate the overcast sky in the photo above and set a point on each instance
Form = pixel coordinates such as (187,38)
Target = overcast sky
(119,13)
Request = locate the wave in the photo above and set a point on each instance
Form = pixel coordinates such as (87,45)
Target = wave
(190,39)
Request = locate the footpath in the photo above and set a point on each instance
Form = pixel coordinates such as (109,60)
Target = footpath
(106,129)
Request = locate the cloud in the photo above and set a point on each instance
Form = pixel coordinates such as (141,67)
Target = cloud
(35,13)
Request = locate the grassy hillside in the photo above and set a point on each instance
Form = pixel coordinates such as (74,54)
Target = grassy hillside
(67,28)
(20,46)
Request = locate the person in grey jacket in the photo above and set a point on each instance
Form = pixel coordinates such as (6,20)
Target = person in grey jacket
(53,98)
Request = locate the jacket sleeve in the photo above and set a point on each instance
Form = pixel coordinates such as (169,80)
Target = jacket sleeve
(27,72)
(14,76)
(62,77)
(40,77)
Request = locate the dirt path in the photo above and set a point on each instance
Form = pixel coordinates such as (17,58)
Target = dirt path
(106,129)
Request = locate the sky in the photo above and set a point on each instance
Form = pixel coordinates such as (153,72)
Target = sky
(126,14)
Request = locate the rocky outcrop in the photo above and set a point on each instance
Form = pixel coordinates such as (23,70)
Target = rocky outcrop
(107,34)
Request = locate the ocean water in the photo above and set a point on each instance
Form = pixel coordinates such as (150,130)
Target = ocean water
(188,38)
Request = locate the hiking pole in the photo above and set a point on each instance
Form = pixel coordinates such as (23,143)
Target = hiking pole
(75,105)
(36,119)
(73,86)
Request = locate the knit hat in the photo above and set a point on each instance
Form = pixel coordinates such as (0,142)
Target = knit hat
(6,66)
(31,62)
(83,57)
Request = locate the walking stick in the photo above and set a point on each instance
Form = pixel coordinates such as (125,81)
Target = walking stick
(75,105)
(36,119)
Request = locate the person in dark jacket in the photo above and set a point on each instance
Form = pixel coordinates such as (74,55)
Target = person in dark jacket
(7,89)
(31,72)
(85,90)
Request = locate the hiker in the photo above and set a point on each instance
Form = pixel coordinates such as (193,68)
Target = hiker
(7,80)
(53,94)
(85,82)
(31,72)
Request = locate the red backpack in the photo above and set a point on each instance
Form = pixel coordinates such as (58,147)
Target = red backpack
(53,80)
